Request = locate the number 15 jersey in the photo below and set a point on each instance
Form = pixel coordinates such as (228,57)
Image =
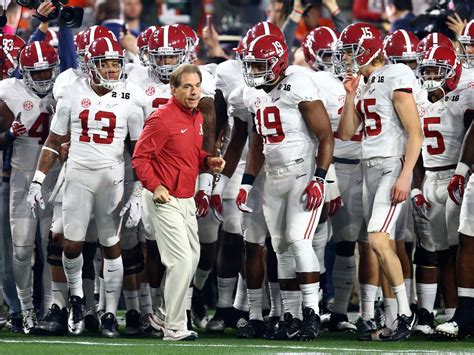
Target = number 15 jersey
(286,136)
(384,134)
(98,124)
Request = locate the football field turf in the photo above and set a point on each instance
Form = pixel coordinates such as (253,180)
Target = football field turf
(222,344)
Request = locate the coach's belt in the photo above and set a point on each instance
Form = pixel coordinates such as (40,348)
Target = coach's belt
(346,161)
(283,167)
(378,160)
(442,168)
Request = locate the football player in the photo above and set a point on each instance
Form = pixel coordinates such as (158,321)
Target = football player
(467,55)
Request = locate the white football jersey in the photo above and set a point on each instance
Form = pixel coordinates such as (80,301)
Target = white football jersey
(286,136)
(467,79)
(36,114)
(229,75)
(384,134)
(443,127)
(66,78)
(98,124)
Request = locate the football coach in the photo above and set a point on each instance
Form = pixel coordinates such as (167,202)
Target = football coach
(167,159)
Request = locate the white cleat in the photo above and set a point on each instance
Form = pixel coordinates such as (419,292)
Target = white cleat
(449,329)
(175,335)
(29,321)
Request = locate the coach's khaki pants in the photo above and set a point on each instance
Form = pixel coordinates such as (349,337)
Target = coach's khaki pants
(175,231)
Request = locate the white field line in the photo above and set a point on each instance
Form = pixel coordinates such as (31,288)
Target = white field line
(228,346)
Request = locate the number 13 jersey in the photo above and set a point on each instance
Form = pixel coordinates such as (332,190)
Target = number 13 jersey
(98,124)
(384,134)
(286,136)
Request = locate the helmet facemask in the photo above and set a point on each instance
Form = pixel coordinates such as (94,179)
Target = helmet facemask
(258,72)
(433,74)
(105,74)
(161,62)
(191,52)
(144,56)
(467,51)
(40,87)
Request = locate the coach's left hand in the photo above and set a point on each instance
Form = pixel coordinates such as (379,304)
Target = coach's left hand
(215,164)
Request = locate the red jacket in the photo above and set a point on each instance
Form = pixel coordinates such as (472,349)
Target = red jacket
(169,150)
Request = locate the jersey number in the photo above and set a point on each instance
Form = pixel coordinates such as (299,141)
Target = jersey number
(40,128)
(367,115)
(84,117)
(158,101)
(440,147)
(271,121)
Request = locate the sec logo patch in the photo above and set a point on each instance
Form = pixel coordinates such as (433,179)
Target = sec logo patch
(85,103)
(470,85)
(28,105)
(150,91)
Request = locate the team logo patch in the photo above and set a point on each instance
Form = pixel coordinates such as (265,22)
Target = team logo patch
(421,111)
(28,105)
(85,103)
(470,85)
(342,99)
(257,102)
(150,91)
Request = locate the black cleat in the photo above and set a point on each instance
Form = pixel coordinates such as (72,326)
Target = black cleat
(310,326)
(16,324)
(226,318)
(254,329)
(270,327)
(133,324)
(54,322)
(292,326)
(91,320)
(109,325)
(425,324)
(76,316)
(404,327)
(198,309)
(340,323)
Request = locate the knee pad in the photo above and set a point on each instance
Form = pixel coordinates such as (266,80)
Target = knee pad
(55,253)
(22,254)
(133,261)
(88,254)
(424,257)
(344,248)
(305,257)
(286,265)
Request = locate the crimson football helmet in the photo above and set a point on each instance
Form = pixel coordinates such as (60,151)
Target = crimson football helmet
(51,37)
(142,44)
(84,41)
(318,45)
(358,45)
(11,45)
(467,43)
(260,29)
(39,57)
(400,47)
(433,39)
(192,40)
(167,49)
(440,67)
(265,60)
(105,62)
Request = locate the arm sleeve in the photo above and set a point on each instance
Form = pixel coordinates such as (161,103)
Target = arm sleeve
(403,79)
(302,89)
(66,49)
(147,149)
(37,35)
(202,161)
(61,118)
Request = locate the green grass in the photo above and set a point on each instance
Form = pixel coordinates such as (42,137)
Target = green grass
(219,344)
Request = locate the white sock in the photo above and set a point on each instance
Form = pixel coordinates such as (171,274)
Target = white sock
(449,312)
(113,278)
(189,298)
(402,300)
(368,293)
(426,295)
(408,285)
(466,292)
(101,305)
(73,272)
(131,299)
(275,299)
(311,296)
(155,293)
(241,301)
(146,305)
(390,311)
(343,278)
(200,278)
(291,301)
(255,303)
(59,293)
(88,288)
(225,291)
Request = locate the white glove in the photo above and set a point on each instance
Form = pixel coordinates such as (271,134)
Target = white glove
(34,194)
(134,206)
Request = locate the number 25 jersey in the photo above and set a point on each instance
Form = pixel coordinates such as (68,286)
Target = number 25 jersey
(384,134)
(98,124)
(286,136)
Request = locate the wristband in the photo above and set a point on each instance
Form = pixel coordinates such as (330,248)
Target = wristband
(205,182)
(321,173)
(248,179)
(221,183)
(39,177)
(415,192)
(462,169)
(137,188)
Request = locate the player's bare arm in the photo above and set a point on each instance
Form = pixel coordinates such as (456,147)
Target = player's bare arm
(255,157)
(235,147)
(50,152)
(206,106)
(350,120)
(6,120)
(405,106)
(317,119)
